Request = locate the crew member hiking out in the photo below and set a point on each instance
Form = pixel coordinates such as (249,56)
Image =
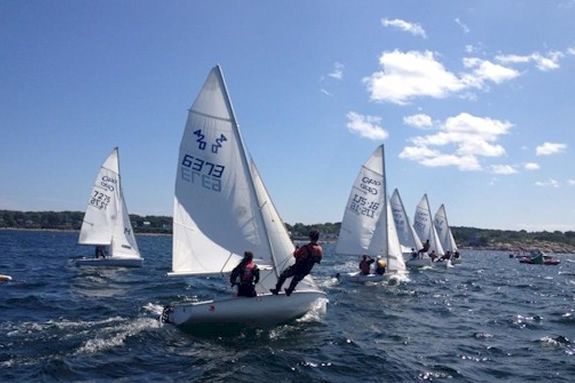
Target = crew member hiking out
(305,258)
(248,274)
(425,248)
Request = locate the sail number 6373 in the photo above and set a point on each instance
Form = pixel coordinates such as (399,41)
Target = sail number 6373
(199,165)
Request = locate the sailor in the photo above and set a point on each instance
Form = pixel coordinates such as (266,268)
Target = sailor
(249,275)
(100,251)
(305,258)
(445,257)
(413,253)
(365,265)
(380,266)
(425,248)
(432,255)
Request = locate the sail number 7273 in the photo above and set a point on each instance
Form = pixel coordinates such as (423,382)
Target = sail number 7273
(205,173)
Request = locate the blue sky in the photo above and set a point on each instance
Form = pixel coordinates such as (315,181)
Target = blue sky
(474,101)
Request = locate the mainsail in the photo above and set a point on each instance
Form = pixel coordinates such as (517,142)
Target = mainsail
(367,226)
(444,231)
(221,206)
(365,205)
(407,236)
(106,221)
(424,228)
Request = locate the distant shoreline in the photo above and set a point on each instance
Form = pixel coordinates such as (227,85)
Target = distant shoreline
(73,231)
(510,247)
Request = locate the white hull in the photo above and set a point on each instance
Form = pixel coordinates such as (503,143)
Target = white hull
(110,262)
(445,264)
(418,262)
(264,309)
(5,278)
(358,277)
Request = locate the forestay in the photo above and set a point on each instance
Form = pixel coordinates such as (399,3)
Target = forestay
(444,231)
(408,238)
(106,221)
(424,228)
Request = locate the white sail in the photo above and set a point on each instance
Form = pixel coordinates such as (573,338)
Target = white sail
(408,238)
(221,206)
(363,210)
(106,221)
(280,243)
(444,231)
(221,209)
(395,262)
(423,225)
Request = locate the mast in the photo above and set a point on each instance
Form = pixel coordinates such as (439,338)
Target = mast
(385,202)
(246,164)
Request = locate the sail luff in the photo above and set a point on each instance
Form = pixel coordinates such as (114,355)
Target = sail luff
(246,164)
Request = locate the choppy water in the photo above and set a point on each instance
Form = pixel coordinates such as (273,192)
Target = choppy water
(488,319)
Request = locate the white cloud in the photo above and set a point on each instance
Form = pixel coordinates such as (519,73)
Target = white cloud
(544,63)
(571,182)
(549,148)
(503,169)
(549,183)
(325,92)
(571,51)
(411,74)
(463,26)
(406,75)
(413,28)
(468,137)
(420,121)
(337,72)
(486,70)
(531,166)
(366,126)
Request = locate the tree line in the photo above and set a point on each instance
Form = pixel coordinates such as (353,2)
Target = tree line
(464,236)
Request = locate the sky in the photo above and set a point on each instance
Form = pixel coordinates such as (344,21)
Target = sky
(473,101)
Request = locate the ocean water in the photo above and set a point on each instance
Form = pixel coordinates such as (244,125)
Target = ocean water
(487,319)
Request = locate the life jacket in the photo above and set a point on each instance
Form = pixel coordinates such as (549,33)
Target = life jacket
(306,256)
(247,274)
(364,266)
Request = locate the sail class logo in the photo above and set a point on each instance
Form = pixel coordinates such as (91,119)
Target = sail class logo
(202,143)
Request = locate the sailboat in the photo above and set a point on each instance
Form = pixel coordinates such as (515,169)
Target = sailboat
(106,223)
(367,227)
(445,235)
(407,236)
(221,209)
(423,225)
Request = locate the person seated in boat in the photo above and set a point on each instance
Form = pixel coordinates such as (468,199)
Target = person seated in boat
(305,258)
(456,254)
(365,265)
(248,274)
(380,266)
(413,253)
(432,255)
(445,257)
(100,251)
(425,248)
